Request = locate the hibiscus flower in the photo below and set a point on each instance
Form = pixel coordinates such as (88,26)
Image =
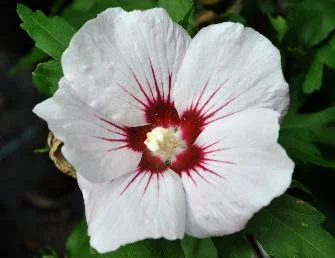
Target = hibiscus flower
(169,135)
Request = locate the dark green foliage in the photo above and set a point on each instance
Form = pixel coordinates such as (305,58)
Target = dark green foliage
(78,246)
(46,77)
(51,35)
(233,246)
(310,22)
(198,248)
(324,55)
(290,227)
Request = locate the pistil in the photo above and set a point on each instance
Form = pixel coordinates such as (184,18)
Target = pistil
(164,142)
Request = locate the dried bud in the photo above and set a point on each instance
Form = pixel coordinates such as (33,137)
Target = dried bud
(57,157)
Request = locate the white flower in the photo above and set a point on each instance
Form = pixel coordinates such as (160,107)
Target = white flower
(169,135)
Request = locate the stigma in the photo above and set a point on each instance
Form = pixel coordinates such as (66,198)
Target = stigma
(164,142)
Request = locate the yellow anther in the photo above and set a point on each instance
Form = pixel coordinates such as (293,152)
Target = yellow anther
(163,142)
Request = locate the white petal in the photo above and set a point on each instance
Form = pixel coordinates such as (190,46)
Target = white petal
(119,61)
(229,68)
(84,132)
(132,208)
(244,168)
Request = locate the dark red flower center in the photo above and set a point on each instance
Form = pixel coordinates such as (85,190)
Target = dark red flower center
(163,114)
(160,112)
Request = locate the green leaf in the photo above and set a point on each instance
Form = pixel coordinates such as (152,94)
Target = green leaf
(198,248)
(130,5)
(233,246)
(299,143)
(78,246)
(48,253)
(177,9)
(266,6)
(310,22)
(290,227)
(313,79)
(324,56)
(319,123)
(300,186)
(181,11)
(279,24)
(56,6)
(31,58)
(188,22)
(51,35)
(80,11)
(297,97)
(43,149)
(300,133)
(46,77)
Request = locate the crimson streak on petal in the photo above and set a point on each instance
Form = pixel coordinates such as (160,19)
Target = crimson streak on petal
(191,124)
(160,111)
(136,137)
(162,114)
(130,137)
(202,112)
(194,160)
(151,165)
(157,105)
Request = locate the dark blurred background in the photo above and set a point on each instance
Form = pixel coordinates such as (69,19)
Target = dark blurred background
(39,206)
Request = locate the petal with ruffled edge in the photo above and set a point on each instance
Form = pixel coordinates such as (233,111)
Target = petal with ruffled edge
(235,168)
(132,208)
(227,68)
(124,64)
(99,149)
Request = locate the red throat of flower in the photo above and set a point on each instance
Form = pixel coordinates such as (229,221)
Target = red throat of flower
(167,141)
(181,132)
